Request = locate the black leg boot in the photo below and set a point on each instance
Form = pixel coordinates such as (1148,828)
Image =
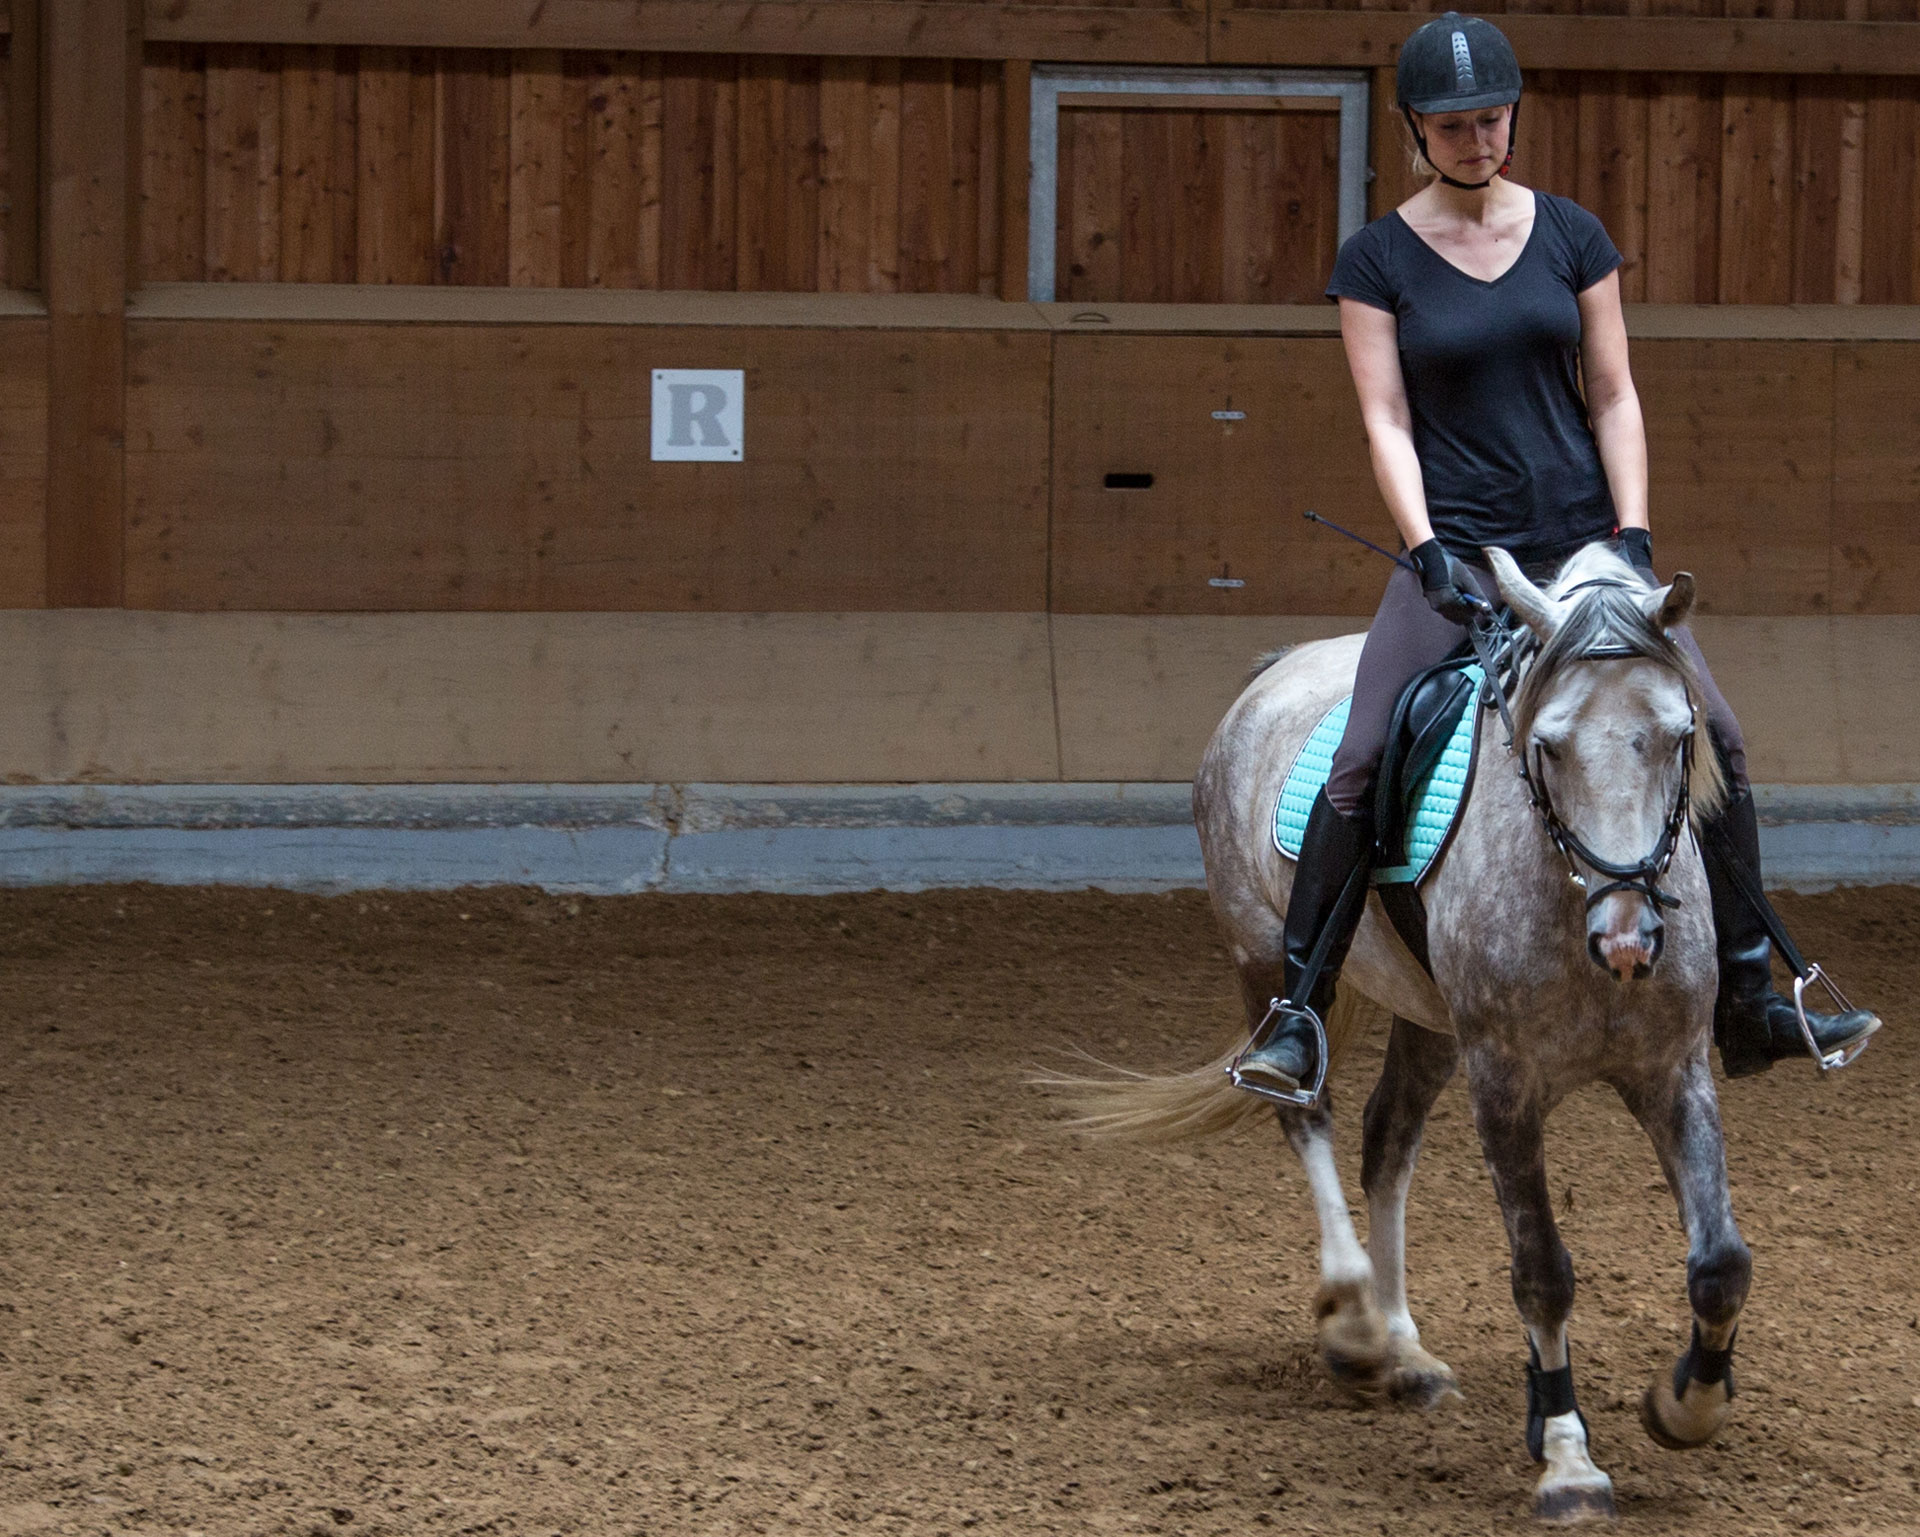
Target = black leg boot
(1284,1059)
(1754,1026)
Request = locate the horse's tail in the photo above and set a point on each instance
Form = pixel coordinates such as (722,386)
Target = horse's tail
(1185,1107)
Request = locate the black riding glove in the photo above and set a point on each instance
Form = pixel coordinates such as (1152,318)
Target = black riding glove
(1636,547)
(1445,582)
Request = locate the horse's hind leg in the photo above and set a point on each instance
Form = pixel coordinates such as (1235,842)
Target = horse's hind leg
(1509,1116)
(1682,1117)
(1353,1335)
(1419,1063)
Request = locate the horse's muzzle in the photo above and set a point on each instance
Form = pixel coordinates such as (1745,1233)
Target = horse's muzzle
(1630,950)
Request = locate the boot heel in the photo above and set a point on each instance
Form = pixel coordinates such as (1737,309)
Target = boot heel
(1254,1081)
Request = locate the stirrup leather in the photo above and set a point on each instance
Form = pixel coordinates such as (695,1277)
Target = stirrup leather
(1300,1099)
(1841,1056)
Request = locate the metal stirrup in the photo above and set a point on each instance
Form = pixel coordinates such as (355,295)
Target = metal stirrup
(1304,1098)
(1840,1056)
(1804,971)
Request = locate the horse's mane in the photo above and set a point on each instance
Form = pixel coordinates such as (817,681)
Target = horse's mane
(1613,617)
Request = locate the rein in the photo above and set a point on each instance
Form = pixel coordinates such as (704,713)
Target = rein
(1494,643)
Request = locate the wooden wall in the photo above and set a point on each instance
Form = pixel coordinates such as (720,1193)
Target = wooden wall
(313,466)
(1785,475)
(738,172)
(289,466)
(541,168)
(1209,206)
(1738,189)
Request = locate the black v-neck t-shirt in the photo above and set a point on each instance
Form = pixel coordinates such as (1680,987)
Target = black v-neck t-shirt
(1493,379)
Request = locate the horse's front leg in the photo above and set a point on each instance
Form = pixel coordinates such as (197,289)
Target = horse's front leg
(1681,1115)
(1352,1330)
(1509,1116)
(1419,1063)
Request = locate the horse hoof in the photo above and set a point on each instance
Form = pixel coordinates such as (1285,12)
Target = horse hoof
(1570,1504)
(1353,1337)
(1680,1424)
(1416,1380)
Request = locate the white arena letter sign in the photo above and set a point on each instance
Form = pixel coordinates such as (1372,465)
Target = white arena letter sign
(699,413)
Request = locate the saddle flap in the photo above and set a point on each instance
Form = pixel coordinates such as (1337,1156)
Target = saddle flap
(1424,722)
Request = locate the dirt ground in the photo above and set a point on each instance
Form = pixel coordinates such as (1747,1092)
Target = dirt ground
(506,1213)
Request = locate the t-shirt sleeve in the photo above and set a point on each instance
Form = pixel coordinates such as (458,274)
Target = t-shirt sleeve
(1593,251)
(1361,272)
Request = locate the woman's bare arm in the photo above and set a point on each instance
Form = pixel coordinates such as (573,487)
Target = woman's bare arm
(1372,338)
(1613,404)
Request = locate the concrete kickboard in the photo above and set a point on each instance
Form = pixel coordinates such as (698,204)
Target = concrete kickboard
(611,839)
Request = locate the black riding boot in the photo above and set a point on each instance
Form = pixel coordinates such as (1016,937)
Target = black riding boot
(1284,1059)
(1754,1026)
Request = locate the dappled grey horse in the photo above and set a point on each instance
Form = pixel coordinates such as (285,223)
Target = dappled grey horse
(1540,983)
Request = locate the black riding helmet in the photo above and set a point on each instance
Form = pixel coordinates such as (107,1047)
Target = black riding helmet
(1458,63)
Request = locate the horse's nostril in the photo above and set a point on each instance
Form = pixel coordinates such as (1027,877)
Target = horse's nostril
(1593,949)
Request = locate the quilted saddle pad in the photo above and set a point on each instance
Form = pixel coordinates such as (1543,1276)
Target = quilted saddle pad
(1433,802)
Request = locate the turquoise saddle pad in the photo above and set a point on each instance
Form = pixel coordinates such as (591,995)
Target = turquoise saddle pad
(1435,800)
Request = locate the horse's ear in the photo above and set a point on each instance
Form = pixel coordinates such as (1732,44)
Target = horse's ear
(1539,611)
(1670,605)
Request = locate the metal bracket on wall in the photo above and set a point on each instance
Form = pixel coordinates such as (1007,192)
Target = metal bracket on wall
(1050,82)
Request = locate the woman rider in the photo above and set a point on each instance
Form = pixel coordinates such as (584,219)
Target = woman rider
(1470,316)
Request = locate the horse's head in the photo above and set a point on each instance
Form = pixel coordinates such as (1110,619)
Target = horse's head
(1605,720)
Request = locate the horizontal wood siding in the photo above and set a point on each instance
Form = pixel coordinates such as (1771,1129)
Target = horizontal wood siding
(1785,475)
(275,466)
(543,168)
(23,462)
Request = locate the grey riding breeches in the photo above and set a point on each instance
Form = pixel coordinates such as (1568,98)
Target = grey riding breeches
(1406,638)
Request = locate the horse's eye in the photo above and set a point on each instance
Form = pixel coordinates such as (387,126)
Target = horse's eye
(1549,749)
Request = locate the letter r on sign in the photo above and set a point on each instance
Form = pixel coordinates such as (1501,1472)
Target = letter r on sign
(699,413)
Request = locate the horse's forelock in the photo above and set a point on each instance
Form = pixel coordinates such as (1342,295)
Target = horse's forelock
(1612,618)
(1596,562)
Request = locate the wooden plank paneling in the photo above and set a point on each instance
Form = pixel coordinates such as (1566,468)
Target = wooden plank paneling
(1683,190)
(1368,39)
(617,190)
(1390,149)
(1613,169)
(174,154)
(1226,496)
(1740,450)
(1547,152)
(243,165)
(1150,31)
(1756,185)
(395,138)
(1876,512)
(1819,112)
(23,462)
(473,239)
(698,169)
(883,207)
(926,234)
(1890,242)
(873,176)
(537,170)
(1161,205)
(1015,173)
(576,211)
(22,71)
(319,164)
(287,466)
(89,105)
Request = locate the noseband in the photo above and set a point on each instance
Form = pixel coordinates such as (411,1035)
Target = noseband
(1643,875)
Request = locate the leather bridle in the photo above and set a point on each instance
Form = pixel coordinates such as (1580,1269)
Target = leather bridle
(1641,875)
